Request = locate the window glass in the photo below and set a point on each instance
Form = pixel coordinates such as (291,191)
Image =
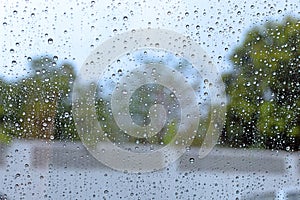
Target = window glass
(150,99)
(294,196)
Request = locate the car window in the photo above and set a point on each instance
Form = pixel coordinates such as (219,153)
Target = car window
(149,99)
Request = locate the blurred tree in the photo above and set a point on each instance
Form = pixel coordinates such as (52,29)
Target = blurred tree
(4,137)
(141,101)
(40,105)
(264,88)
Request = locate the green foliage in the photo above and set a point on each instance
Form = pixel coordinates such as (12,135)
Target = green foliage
(4,138)
(170,133)
(40,105)
(139,108)
(264,88)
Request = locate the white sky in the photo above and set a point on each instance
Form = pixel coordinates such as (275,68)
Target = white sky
(76,25)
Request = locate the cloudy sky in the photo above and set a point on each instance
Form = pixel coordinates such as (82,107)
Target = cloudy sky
(73,29)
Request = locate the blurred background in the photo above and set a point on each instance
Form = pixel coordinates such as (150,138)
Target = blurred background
(254,44)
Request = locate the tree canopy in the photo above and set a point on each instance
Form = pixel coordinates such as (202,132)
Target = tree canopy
(263,91)
(38,106)
(264,88)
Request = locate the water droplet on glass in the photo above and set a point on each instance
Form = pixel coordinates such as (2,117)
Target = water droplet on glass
(192,160)
(50,41)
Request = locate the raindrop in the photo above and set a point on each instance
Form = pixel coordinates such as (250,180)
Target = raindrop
(66,115)
(192,160)
(124,92)
(17,175)
(50,41)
